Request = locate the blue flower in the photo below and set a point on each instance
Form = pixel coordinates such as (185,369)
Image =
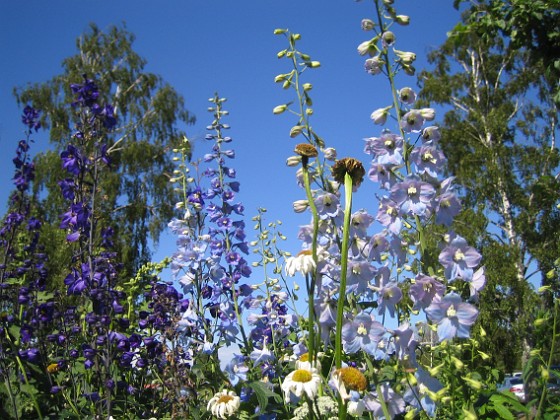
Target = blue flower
(453,317)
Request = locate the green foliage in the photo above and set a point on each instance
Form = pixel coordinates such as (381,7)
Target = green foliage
(500,147)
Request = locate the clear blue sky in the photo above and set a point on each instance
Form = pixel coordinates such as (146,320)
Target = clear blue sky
(227,46)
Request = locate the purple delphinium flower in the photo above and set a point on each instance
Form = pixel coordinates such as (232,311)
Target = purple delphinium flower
(412,121)
(419,395)
(327,205)
(359,223)
(386,150)
(428,160)
(382,174)
(459,259)
(426,290)
(86,92)
(453,317)
(359,274)
(388,215)
(413,195)
(30,118)
(362,333)
(388,297)
(394,401)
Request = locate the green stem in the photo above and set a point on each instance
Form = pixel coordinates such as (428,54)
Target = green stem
(551,353)
(383,402)
(311,284)
(342,290)
(343,269)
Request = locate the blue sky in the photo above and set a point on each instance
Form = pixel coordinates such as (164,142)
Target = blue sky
(224,46)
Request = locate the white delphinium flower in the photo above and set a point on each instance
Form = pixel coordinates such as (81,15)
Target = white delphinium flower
(379,116)
(299,382)
(224,404)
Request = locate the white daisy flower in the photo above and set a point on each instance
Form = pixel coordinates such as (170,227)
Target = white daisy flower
(346,380)
(224,404)
(302,262)
(299,382)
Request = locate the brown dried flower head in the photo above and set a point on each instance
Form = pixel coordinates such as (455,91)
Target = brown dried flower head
(350,166)
(306,150)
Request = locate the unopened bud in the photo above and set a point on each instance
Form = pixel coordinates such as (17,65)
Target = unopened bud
(314,64)
(428,113)
(402,20)
(280,31)
(406,57)
(367,24)
(279,109)
(307,86)
(330,153)
(296,130)
(300,206)
(388,38)
(293,161)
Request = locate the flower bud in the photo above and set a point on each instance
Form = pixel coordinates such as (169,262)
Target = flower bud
(300,206)
(307,86)
(368,47)
(545,373)
(330,153)
(388,38)
(367,24)
(279,109)
(405,57)
(428,113)
(458,363)
(402,20)
(379,116)
(280,31)
(296,130)
(293,161)
(314,64)
(407,95)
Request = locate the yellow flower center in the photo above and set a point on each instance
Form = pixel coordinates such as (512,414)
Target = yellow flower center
(304,357)
(412,190)
(302,375)
(352,378)
(52,368)
(362,330)
(224,399)
(428,287)
(459,256)
(451,311)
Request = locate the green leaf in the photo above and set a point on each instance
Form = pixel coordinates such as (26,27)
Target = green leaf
(263,393)
(503,412)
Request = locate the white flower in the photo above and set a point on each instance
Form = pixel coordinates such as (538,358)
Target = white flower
(428,113)
(224,404)
(355,408)
(303,363)
(302,262)
(300,205)
(379,116)
(301,381)
(347,380)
